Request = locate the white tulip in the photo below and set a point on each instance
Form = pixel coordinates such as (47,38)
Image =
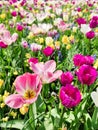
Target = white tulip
(94,96)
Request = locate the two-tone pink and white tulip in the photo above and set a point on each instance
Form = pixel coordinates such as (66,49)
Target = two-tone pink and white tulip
(46,71)
(28,87)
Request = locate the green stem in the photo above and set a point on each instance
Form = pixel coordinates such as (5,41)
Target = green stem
(31,117)
(89,48)
(62,114)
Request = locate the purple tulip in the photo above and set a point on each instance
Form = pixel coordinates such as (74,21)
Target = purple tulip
(93,24)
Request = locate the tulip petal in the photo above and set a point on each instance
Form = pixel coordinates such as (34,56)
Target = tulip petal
(94,96)
(14,101)
(7,34)
(37,68)
(55,76)
(27,81)
(14,37)
(20,84)
(46,77)
(50,66)
(32,81)
(29,101)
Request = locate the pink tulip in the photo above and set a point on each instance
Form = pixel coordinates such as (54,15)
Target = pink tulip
(28,87)
(12,1)
(24,43)
(7,38)
(46,71)
(70,96)
(62,26)
(2,28)
(35,47)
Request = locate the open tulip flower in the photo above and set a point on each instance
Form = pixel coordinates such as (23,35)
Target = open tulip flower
(7,38)
(28,87)
(46,71)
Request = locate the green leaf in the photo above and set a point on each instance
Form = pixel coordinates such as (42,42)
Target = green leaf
(18,124)
(69,117)
(54,113)
(48,123)
(40,105)
(88,121)
(95,118)
(27,125)
(33,115)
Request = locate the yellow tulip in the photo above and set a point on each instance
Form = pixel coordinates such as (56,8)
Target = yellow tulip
(68,46)
(3,16)
(5,119)
(1,82)
(65,39)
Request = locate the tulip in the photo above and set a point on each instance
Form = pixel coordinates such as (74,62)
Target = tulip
(28,87)
(19,27)
(46,71)
(90,34)
(48,51)
(86,74)
(80,59)
(33,60)
(94,96)
(70,96)
(66,78)
(14,13)
(81,21)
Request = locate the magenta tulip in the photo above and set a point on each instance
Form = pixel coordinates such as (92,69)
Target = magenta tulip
(90,34)
(87,74)
(66,78)
(70,96)
(80,59)
(48,51)
(33,60)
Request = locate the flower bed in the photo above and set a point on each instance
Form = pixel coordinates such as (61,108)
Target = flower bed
(48,65)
